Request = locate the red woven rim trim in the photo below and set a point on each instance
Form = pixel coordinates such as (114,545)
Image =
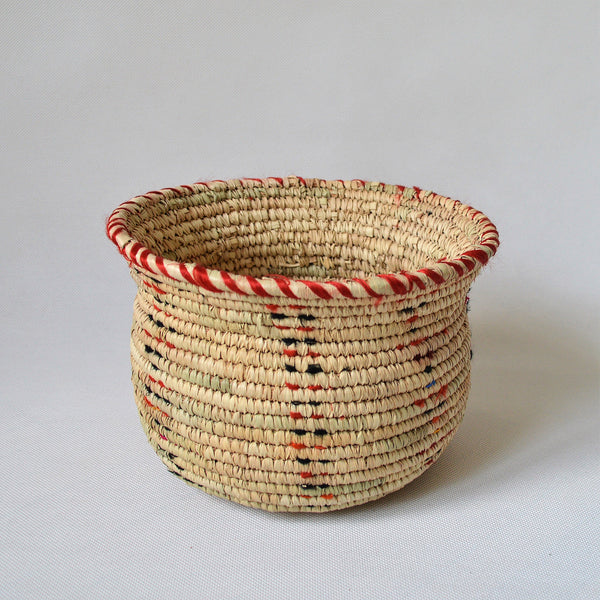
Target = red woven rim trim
(215,281)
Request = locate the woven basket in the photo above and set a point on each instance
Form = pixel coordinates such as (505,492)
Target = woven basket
(300,344)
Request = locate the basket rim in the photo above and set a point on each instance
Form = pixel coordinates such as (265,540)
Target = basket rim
(377,286)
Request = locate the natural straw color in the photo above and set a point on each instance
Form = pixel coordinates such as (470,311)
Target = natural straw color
(300,345)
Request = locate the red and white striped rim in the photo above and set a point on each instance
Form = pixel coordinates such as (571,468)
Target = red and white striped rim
(216,281)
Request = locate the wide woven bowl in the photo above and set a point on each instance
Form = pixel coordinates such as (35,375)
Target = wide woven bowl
(300,344)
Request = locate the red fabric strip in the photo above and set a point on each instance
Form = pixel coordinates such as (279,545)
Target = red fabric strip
(231,284)
(257,288)
(203,280)
(160,263)
(317,289)
(342,288)
(367,287)
(433,275)
(397,286)
(480,255)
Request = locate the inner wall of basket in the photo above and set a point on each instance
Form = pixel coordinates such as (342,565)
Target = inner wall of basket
(313,234)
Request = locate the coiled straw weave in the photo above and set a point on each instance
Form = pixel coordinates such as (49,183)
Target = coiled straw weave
(300,345)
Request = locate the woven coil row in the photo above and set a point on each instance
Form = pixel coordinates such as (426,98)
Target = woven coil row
(269,365)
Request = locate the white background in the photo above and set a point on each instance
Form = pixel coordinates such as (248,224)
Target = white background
(494,103)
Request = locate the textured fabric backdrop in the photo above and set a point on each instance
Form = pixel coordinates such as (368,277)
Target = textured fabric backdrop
(492,103)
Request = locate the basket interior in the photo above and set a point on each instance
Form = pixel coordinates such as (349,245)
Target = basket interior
(317,233)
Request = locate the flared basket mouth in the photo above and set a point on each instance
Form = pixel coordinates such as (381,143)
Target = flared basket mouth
(302,238)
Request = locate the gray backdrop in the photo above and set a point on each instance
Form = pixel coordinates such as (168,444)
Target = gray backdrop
(492,103)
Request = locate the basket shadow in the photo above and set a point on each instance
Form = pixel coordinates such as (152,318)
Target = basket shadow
(530,378)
